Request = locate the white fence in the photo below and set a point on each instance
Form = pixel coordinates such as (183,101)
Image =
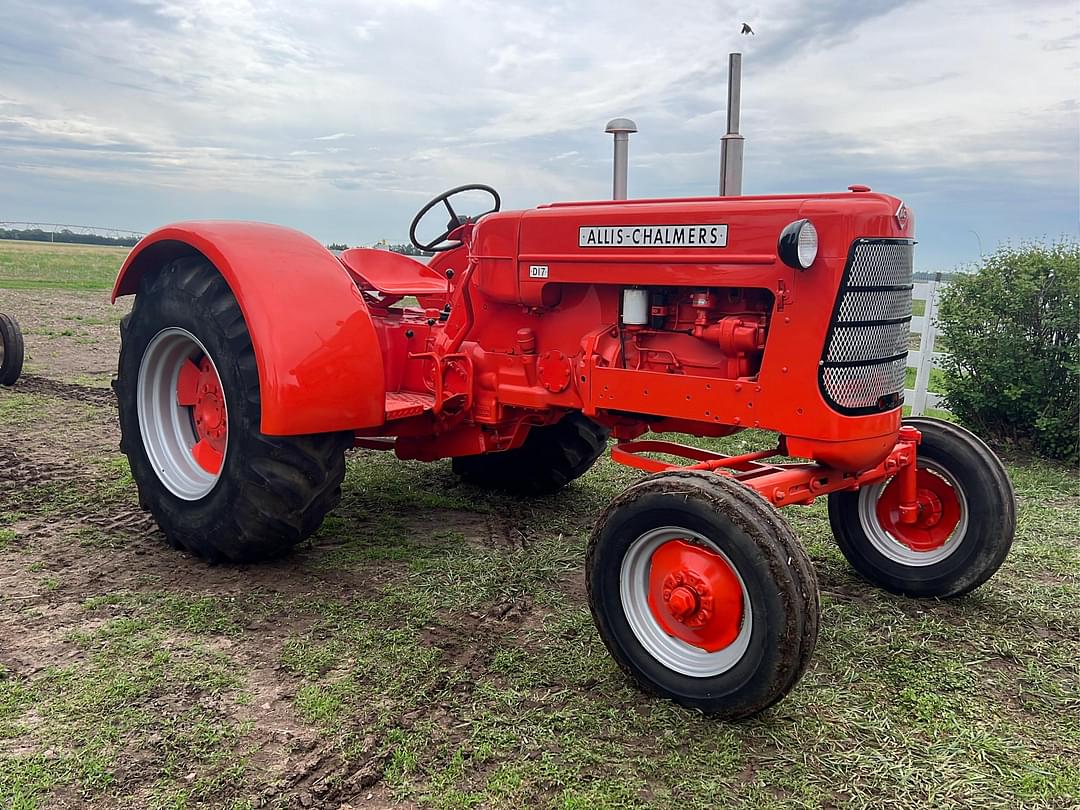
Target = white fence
(923,360)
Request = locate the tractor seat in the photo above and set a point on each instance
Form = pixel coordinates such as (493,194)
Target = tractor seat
(393,273)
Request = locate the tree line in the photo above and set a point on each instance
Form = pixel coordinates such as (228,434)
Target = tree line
(407,249)
(66,236)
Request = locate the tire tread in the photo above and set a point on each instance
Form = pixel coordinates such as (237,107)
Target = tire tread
(759,520)
(14,350)
(288,484)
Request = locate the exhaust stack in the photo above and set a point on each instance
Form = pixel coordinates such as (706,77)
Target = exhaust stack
(731,145)
(621,129)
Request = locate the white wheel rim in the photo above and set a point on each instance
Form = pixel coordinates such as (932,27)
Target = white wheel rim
(674,653)
(168,434)
(892,547)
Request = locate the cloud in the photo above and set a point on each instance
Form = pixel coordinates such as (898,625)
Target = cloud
(210,108)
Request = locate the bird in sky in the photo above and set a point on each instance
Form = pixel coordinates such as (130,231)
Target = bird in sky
(746,29)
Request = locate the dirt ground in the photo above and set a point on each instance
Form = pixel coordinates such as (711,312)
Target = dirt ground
(432,646)
(72,342)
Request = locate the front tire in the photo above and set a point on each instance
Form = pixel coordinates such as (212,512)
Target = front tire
(188,395)
(965,527)
(702,593)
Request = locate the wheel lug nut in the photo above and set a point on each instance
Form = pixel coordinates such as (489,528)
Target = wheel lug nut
(683,602)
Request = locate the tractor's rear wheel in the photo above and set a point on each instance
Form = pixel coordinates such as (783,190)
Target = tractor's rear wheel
(550,458)
(11,350)
(965,526)
(702,593)
(188,394)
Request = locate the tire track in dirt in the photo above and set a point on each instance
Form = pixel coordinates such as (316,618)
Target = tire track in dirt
(20,470)
(22,475)
(32,384)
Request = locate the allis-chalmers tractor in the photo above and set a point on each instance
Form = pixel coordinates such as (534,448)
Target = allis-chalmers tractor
(254,358)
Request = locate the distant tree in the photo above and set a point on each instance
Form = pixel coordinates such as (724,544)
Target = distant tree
(383,244)
(409,250)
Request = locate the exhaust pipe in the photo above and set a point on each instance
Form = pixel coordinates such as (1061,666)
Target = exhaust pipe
(731,145)
(621,129)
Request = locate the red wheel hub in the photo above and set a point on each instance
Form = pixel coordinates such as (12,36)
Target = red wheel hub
(695,595)
(939,512)
(199,388)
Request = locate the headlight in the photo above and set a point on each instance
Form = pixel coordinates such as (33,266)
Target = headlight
(798,244)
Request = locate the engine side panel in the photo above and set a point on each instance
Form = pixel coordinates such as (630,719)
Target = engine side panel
(779,389)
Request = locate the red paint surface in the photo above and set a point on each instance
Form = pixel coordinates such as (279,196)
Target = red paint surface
(695,595)
(199,388)
(496,347)
(937,517)
(315,343)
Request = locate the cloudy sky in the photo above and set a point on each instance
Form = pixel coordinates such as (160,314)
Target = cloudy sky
(342,118)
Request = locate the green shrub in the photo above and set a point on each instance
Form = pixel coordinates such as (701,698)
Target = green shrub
(1013,365)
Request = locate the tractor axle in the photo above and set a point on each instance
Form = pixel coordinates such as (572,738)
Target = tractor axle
(791,483)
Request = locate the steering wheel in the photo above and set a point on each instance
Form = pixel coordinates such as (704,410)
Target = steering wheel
(456,221)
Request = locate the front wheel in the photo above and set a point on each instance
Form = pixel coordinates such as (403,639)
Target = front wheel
(702,593)
(965,527)
(188,395)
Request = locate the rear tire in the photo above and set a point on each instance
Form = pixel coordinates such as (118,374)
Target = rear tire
(11,346)
(733,663)
(267,493)
(917,562)
(550,458)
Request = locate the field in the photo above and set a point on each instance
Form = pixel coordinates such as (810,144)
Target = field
(432,646)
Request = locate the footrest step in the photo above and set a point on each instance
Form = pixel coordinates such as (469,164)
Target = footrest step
(403,404)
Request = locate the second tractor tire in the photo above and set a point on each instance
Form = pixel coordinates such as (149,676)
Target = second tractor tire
(550,458)
(960,467)
(269,492)
(11,346)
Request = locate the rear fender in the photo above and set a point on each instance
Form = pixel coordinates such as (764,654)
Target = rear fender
(320,366)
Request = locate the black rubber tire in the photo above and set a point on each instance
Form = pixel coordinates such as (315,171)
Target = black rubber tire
(779,577)
(273,491)
(12,342)
(986,541)
(550,458)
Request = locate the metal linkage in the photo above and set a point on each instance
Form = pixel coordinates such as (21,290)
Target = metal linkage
(784,484)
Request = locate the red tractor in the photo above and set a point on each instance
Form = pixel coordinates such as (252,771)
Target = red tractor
(254,358)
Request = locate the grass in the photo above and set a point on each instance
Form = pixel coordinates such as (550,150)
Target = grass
(46,265)
(433,646)
(967,703)
(425,682)
(17,409)
(88,718)
(430,681)
(936,383)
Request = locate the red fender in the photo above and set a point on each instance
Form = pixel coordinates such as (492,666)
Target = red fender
(320,365)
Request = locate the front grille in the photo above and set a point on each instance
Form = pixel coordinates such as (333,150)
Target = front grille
(863,365)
